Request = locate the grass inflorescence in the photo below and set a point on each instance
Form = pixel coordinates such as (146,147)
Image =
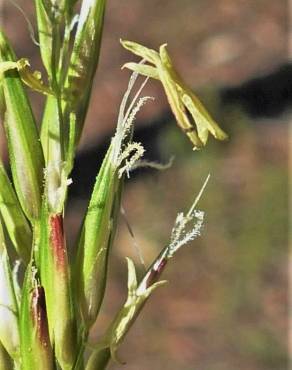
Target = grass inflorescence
(47,314)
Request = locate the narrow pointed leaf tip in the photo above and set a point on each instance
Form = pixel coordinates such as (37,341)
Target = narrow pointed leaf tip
(181,98)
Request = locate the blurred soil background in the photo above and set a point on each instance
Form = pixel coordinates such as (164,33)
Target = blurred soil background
(225,306)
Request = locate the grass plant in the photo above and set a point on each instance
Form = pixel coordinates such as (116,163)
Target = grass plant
(48,311)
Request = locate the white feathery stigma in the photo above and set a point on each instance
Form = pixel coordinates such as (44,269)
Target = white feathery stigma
(187,227)
(127,155)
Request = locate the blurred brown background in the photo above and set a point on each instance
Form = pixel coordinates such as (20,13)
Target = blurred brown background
(225,306)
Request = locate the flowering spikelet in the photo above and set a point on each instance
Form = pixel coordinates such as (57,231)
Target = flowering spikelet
(100,221)
(55,278)
(181,98)
(26,157)
(186,228)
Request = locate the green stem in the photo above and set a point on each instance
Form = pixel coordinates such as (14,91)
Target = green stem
(100,361)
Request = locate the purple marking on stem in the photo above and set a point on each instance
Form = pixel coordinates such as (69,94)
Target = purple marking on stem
(155,272)
(39,314)
(57,239)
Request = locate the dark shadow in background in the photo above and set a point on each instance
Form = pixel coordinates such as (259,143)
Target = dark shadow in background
(267,96)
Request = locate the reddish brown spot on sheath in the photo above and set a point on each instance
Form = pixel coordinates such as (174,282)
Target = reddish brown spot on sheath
(154,274)
(39,314)
(57,240)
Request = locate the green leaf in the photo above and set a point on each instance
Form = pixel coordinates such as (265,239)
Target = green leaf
(16,223)
(83,61)
(55,278)
(53,148)
(35,344)
(50,17)
(50,132)
(45,31)
(25,151)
